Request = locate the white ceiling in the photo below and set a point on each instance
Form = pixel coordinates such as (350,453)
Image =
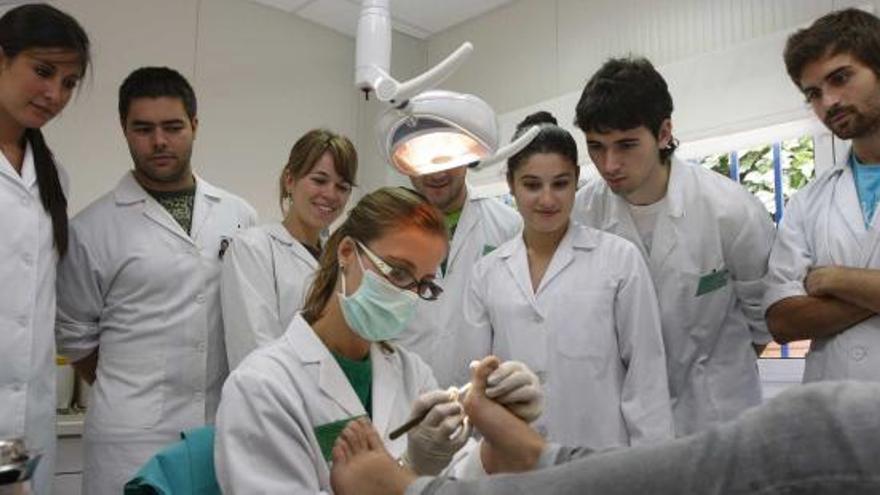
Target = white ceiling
(417,18)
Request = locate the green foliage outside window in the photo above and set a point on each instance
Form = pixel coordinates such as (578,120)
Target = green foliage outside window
(756,168)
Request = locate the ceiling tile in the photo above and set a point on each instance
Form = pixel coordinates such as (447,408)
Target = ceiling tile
(417,18)
(285,5)
(339,15)
(435,16)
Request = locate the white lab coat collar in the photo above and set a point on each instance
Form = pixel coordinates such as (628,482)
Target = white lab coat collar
(128,191)
(515,257)
(333,382)
(675,197)
(28,177)
(280,233)
(468,220)
(619,219)
(847,198)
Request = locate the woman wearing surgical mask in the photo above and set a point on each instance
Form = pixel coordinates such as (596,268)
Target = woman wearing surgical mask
(284,405)
(267,269)
(43,55)
(576,305)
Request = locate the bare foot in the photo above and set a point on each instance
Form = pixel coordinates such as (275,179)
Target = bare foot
(362,466)
(509,444)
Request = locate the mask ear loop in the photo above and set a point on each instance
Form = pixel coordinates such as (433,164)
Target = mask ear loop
(342,270)
(342,278)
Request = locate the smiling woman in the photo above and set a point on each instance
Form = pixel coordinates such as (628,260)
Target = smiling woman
(574,304)
(267,269)
(43,55)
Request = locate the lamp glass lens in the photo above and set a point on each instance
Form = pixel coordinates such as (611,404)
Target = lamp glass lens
(435,151)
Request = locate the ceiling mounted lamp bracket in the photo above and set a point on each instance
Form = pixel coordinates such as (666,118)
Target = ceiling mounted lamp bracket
(425,131)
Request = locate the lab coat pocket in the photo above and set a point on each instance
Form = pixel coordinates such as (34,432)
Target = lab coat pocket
(704,296)
(129,392)
(586,326)
(523,338)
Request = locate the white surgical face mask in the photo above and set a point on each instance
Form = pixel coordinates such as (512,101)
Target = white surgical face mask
(377,310)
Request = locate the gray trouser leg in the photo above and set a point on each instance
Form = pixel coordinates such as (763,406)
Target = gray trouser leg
(818,438)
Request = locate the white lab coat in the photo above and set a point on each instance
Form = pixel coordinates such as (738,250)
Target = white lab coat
(147,295)
(823,225)
(591,332)
(711,224)
(27,316)
(485,224)
(274,400)
(266,275)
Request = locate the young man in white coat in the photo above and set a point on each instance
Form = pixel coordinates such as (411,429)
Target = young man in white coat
(476,227)
(138,293)
(824,276)
(705,238)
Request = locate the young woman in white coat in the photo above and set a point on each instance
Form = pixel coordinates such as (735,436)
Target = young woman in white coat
(267,269)
(576,305)
(284,405)
(45,53)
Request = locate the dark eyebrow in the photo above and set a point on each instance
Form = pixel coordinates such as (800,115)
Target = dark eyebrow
(836,72)
(397,262)
(828,76)
(627,140)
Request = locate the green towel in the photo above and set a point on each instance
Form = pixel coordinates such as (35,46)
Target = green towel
(328,433)
(183,468)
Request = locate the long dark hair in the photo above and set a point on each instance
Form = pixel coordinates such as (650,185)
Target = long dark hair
(43,26)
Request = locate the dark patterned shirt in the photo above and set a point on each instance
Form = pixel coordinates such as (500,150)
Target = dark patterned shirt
(179,204)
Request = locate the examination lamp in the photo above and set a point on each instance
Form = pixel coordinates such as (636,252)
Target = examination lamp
(425,131)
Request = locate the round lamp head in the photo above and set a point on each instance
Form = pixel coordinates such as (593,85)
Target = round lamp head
(438,130)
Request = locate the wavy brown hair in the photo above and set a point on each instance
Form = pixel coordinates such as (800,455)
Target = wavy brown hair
(309,148)
(384,210)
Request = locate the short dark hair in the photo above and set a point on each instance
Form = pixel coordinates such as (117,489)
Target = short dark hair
(156,82)
(851,31)
(550,139)
(623,94)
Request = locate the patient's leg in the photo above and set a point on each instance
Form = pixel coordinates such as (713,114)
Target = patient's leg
(820,438)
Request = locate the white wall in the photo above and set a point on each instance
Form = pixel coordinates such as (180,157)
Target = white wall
(262,78)
(722,60)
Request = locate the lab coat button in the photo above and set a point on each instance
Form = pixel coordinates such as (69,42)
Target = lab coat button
(25,201)
(200,298)
(537,318)
(28,259)
(858,353)
(23,321)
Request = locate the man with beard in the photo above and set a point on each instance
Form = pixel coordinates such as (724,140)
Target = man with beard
(476,227)
(824,275)
(138,292)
